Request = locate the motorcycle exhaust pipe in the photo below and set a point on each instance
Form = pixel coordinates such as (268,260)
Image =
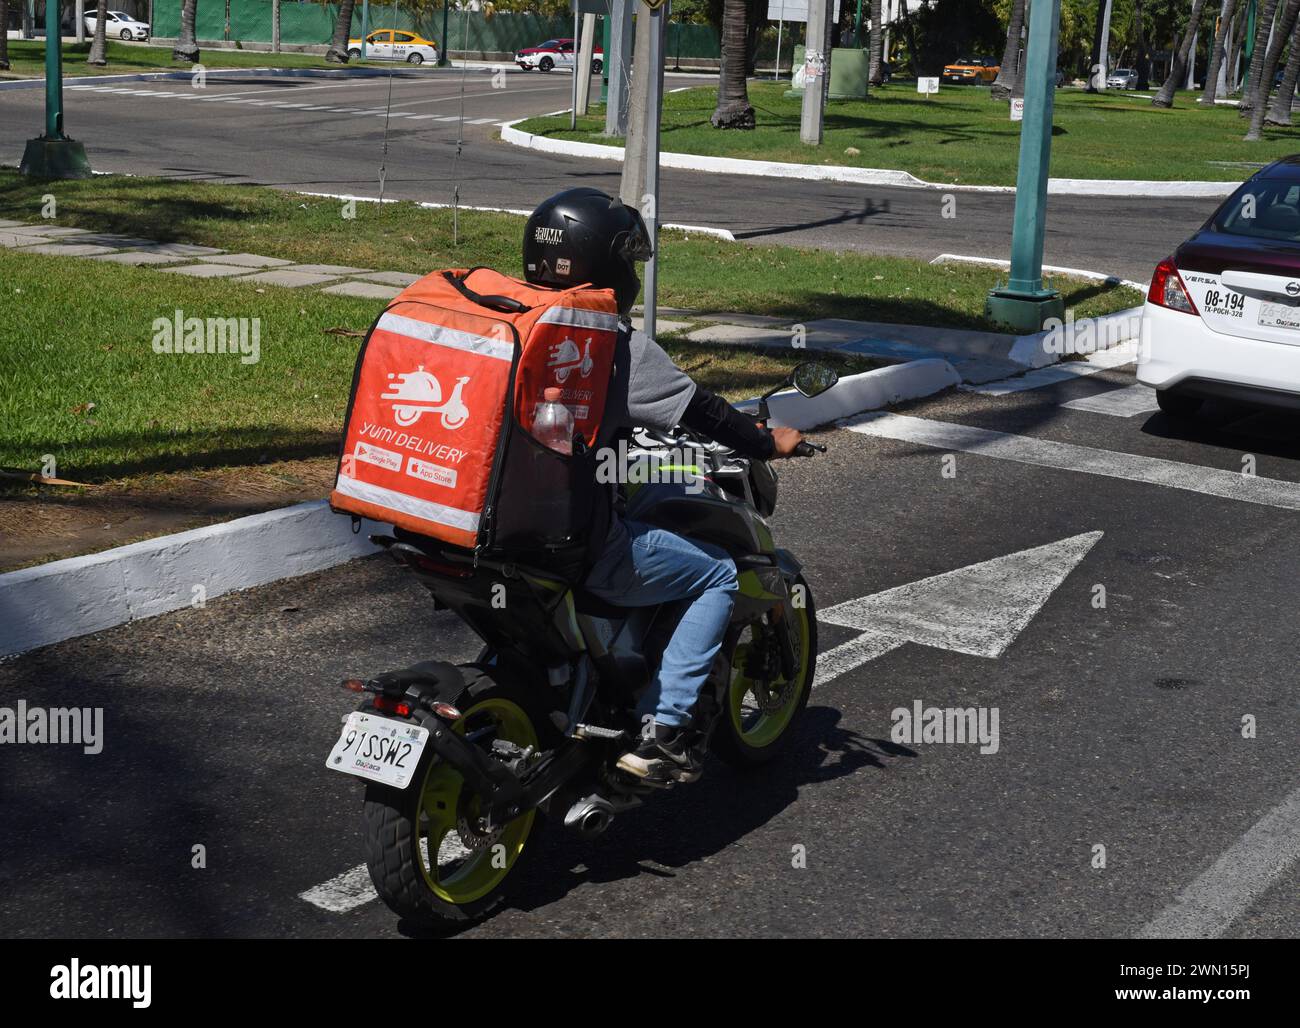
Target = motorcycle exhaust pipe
(589,817)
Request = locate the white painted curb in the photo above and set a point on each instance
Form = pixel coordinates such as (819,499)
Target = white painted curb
(859,176)
(869,391)
(67,598)
(1105,332)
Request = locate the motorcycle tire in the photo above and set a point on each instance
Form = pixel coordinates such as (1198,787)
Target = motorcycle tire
(402,827)
(747,743)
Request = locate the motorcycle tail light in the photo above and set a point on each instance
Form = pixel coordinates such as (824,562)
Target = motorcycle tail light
(354,685)
(446,710)
(399,707)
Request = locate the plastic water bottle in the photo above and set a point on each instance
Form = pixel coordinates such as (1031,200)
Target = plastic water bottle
(553,422)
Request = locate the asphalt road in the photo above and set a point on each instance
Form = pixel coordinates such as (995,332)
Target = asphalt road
(232,131)
(1120,725)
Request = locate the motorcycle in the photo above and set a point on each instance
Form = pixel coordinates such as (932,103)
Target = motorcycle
(462,764)
(418,392)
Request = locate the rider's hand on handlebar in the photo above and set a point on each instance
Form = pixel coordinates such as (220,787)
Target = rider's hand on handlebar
(786,440)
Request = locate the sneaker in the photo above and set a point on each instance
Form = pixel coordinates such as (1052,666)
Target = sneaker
(666,758)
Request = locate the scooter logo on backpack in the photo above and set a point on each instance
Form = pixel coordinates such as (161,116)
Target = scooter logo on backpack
(564,357)
(417,393)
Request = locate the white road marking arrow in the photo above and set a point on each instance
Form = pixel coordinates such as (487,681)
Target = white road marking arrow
(979,609)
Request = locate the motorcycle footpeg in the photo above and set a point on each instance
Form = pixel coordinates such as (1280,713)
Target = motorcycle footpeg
(581,731)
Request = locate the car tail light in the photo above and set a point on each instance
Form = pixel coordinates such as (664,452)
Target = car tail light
(1167,289)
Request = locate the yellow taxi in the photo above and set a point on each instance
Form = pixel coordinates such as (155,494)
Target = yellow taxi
(395,45)
(971,71)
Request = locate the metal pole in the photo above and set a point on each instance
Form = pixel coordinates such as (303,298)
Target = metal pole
(275,26)
(53,73)
(1024,303)
(81,21)
(655,58)
(365,26)
(443,55)
(780,25)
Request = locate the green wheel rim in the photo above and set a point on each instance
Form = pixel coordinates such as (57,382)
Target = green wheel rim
(765,728)
(457,875)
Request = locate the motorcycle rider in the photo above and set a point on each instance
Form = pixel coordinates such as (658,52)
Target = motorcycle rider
(584,236)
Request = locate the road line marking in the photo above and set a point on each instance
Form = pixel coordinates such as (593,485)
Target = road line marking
(1120,403)
(1102,360)
(857,651)
(1244,872)
(482,121)
(342,893)
(1047,453)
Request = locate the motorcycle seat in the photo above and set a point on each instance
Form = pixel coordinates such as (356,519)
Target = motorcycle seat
(585,602)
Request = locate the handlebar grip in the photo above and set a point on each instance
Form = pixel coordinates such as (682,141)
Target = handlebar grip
(807,449)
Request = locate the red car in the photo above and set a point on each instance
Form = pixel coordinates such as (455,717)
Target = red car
(546,56)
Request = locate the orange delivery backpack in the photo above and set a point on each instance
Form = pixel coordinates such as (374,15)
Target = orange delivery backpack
(447,383)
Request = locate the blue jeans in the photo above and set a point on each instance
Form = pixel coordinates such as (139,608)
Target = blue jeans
(653,566)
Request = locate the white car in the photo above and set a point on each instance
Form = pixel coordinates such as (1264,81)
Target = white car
(1122,78)
(117,25)
(395,45)
(1222,316)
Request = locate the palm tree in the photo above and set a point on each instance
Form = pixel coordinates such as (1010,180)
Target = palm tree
(734,109)
(1005,82)
(1261,86)
(4,35)
(187,46)
(1099,47)
(1280,112)
(98,47)
(1165,98)
(338,48)
(1217,55)
(1263,25)
(876,68)
(1143,54)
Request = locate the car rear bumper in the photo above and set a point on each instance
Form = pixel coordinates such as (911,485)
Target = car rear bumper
(1180,353)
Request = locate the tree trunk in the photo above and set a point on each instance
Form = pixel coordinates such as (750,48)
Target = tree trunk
(28,22)
(1143,54)
(1097,73)
(1217,48)
(1262,85)
(98,48)
(734,109)
(1165,98)
(909,32)
(1241,25)
(4,35)
(876,67)
(1280,112)
(338,48)
(187,45)
(1005,82)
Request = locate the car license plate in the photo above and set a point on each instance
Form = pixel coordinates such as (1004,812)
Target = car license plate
(1279,315)
(378,749)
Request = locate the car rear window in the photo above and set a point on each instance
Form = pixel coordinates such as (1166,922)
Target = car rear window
(1265,208)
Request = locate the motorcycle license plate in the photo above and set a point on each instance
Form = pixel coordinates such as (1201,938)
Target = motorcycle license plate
(378,749)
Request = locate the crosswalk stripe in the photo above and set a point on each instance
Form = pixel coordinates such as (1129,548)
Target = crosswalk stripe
(1120,403)
(1047,453)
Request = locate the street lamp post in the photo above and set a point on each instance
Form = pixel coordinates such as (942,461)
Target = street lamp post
(54,155)
(1023,303)
(446,41)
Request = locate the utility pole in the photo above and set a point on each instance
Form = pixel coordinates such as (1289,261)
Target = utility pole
(650,209)
(618,58)
(1023,303)
(632,185)
(817,67)
(365,27)
(275,26)
(53,155)
(81,21)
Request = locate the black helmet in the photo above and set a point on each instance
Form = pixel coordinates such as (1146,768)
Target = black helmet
(583,235)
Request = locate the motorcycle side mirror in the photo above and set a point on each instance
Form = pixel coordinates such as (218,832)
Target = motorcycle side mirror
(813,379)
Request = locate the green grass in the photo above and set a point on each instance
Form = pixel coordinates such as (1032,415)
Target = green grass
(963,137)
(27,59)
(75,332)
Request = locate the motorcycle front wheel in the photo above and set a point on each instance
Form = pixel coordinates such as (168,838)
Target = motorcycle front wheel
(757,717)
(431,858)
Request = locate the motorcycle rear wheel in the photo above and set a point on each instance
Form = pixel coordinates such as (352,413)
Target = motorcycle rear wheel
(755,732)
(421,866)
